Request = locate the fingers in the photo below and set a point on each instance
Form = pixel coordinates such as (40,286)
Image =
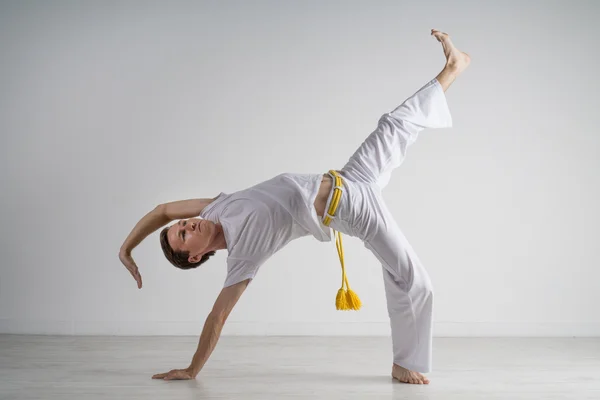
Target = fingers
(136,275)
(166,376)
(173,375)
(132,268)
(138,278)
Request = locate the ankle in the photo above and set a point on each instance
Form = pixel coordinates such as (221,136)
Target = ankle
(452,67)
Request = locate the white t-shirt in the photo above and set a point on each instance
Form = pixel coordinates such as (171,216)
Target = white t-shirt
(260,220)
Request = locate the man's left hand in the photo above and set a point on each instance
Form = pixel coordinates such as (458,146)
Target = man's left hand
(176,374)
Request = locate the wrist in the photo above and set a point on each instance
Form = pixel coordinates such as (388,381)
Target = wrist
(193,371)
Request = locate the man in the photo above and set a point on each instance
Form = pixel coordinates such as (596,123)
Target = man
(254,223)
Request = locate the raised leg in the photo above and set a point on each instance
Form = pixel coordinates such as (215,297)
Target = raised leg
(385,148)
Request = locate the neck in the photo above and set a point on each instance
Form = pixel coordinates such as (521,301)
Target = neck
(219,243)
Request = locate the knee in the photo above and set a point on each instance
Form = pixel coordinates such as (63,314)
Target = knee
(424,289)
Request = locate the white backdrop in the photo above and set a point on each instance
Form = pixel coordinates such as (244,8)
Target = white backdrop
(110,108)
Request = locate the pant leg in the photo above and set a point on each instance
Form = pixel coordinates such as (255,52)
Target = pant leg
(385,148)
(409,294)
(410,313)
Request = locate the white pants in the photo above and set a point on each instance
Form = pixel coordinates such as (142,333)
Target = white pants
(362,213)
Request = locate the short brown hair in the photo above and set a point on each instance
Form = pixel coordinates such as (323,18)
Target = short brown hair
(180,258)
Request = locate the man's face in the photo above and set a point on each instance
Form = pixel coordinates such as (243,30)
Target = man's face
(193,235)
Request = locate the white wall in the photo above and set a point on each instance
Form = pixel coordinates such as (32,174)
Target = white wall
(110,108)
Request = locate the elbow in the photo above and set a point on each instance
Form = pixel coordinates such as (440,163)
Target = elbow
(161,209)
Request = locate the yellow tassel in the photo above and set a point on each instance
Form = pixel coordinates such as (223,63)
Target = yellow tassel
(346,299)
(341,301)
(352,300)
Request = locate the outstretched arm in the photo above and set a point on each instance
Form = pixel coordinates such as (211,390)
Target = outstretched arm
(211,332)
(225,302)
(154,220)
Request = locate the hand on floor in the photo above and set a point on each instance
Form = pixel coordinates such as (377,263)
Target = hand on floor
(176,374)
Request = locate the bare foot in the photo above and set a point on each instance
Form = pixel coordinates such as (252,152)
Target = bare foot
(408,376)
(455,59)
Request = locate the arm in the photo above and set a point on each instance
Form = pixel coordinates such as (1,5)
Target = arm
(162,215)
(154,220)
(149,223)
(211,332)
(214,324)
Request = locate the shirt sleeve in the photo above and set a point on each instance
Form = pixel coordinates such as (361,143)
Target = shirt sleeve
(239,270)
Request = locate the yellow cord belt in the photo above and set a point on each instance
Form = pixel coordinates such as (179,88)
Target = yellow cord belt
(346,299)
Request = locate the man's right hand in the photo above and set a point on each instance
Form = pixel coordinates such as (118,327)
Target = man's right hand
(127,260)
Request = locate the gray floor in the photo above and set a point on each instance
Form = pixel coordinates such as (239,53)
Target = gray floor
(53,367)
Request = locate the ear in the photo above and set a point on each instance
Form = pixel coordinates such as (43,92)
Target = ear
(195,259)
